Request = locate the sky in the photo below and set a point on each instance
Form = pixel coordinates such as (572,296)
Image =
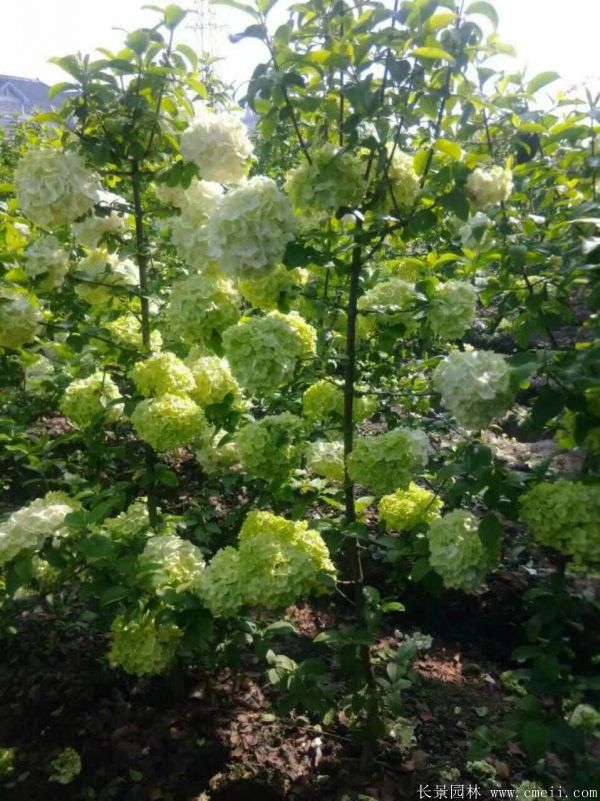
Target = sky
(548,35)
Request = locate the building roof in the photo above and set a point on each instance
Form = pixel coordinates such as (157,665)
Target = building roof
(34,92)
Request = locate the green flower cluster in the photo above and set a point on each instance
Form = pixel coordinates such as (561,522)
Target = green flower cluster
(141,645)
(265,290)
(66,766)
(323,400)
(54,187)
(7,761)
(162,373)
(306,332)
(202,306)
(270,448)
(103,278)
(169,422)
(387,461)
(406,509)
(126,331)
(27,528)
(403,179)
(19,318)
(216,458)
(326,459)
(453,309)
(278,561)
(456,551)
(585,717)
(334,178)
(263,353)
(86,399)
(565,515)
(475,386)
(134,520)
(389,303)
(213,380)
(178,564)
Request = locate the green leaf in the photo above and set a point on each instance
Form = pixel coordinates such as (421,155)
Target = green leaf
(420,569)
(490,534)
(451,149)
(112,595)
(432,52)
(549,403)
(536,739)
(239,6)
(486,9)
(281,627)
(541,80)
(456,202)
(174,15)
(138,41)
(189,53)
(57,88)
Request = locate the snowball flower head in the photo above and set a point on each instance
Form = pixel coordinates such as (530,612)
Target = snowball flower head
(54,187)
(489,187)
(213,380)
(178,564)
(162,373)
(324,400)
(388,461)
(27,528)
(189,231)
(475,386)
(270,448)
(406,509)
(334,178)
(66,766)
(169,422)
(565,515)
(390,303)
(453,309)
(215,456)
(221,589)
(218,144)
(325,458)
(263,353)
(306,332)
(141,645)
(87,398)
(19,319)
(403,179)
(98,272)
(39,374)
(585,717)
(131,522)
(126,331)
(90,231)
(250,227)
(202,306)
(46,258)
(266,290)
(456,551)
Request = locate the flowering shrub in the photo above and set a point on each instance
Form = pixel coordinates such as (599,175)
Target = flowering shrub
(86,399)
(177,563)
(47,258)
(19,318)
(161,374)
(475,386)
(202,306)
(188,229)
(219,146)
(265,289)
(270,448)
(262,352)
(169,421)
(565,515)
(456,551)
(54,187)
(141,645)
(126,332)
(91,231)
(489,187)
(132,522)
(213,380)
(406,509)
(333,178)
(453,309)
(403,180)
(221,590)
(306,333)
(326,459)
(215,456)
(389,303)
(27,528)
(103,278)
(324,399)
(387,461)
(585,717)
(250,227)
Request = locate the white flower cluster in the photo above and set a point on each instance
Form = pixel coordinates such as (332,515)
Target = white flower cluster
(189,229)
(325,458)
(54,187)
(27,528)
(333,178)
(202,306)
(19,318)
(47,258)
(102,277)
(85,399)
(489,187)
(453,309)
(456,551)
(219,146)
(475,386)
(389,303)
(403,179)
(177,564)
(90,231)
